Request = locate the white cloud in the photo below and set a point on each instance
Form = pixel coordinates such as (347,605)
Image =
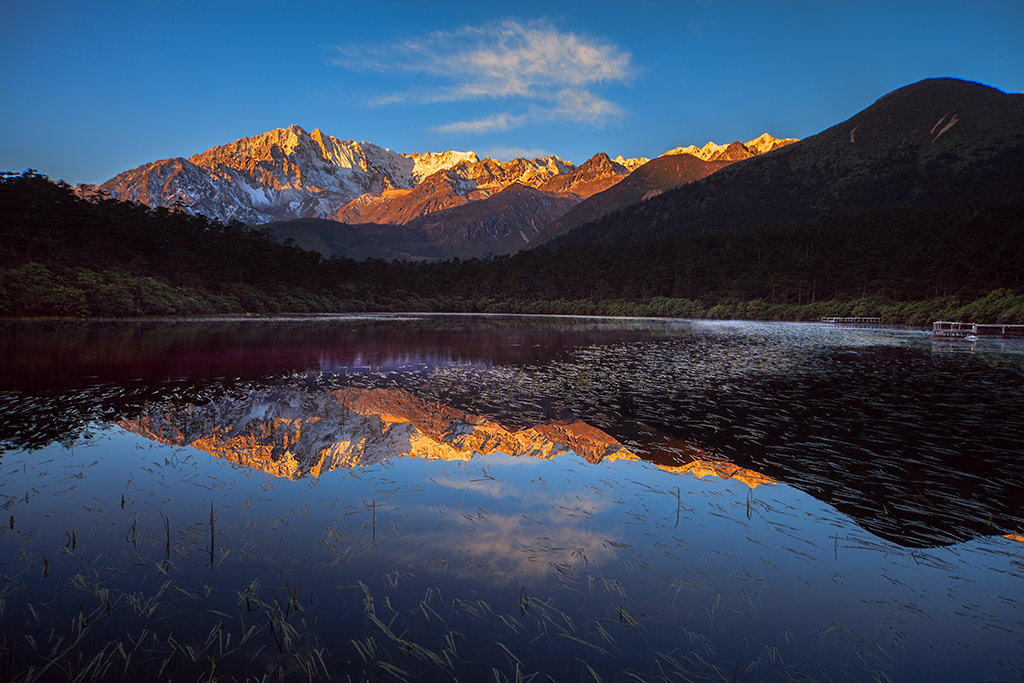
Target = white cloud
(584,107)
(551,74)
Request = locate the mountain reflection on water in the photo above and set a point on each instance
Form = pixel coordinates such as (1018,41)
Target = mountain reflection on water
(919,448)
(294,434)
(435,498)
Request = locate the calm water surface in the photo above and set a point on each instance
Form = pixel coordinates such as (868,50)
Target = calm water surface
(508,498)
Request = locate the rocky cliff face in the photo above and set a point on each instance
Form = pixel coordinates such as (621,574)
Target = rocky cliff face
(495,175)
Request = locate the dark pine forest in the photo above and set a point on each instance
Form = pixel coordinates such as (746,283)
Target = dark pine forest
(62,255)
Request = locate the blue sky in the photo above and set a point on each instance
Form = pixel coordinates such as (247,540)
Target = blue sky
(92,89)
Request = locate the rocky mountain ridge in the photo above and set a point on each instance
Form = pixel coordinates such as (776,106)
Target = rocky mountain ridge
(459,184)
(503,223)
(284,173)
(288,173)
(598,173)
(734,151)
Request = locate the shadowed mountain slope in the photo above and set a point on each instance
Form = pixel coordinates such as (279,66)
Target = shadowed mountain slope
(501,224)
(650,180)
(918,196)
(442,190)
(935,141)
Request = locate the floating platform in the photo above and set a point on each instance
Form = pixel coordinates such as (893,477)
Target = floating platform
(945,328)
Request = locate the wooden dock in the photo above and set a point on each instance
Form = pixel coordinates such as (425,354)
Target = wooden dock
(945,328)
(852,320)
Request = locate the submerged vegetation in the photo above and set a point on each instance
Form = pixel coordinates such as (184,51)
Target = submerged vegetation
(66,256)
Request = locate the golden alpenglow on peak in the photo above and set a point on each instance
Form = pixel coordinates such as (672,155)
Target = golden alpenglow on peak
(766,143)
(429,163)
(278,433)
(721,469)
(734,151)
(294,434)
(631,164)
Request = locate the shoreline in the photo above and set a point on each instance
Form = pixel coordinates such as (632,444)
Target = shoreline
(412,315)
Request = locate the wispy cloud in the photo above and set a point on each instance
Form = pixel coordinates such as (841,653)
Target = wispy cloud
(545,74)
(516,152)
(498,122)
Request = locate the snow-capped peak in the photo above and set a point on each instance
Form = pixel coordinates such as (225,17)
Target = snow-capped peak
(713,151)
(429,163)
(631,164)
(290,173)
(766,143)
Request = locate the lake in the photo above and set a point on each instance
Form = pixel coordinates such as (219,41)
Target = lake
(508,498)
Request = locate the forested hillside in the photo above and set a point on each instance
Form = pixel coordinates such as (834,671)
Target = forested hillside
(64,255)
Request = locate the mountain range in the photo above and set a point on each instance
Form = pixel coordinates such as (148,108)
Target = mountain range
(289,175)
(912,208)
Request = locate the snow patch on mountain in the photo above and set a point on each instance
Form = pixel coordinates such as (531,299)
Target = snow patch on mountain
(630,164)
(766,143)
(430,163)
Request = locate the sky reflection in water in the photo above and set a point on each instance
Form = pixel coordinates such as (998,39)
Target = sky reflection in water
(842,542)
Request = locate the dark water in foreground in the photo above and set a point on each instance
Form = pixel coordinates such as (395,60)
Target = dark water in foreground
(508,498)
